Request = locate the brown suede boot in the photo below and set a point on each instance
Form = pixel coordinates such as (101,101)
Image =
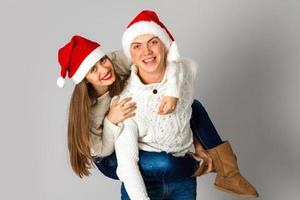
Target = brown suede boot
(228,177)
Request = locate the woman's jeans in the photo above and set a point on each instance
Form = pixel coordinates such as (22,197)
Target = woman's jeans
(162,170)
(203,128)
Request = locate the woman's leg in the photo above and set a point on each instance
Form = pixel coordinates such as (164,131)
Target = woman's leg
(203,128)
(153,165)
(228,177)
(107,165)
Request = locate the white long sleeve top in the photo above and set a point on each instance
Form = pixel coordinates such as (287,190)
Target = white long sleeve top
(152,132)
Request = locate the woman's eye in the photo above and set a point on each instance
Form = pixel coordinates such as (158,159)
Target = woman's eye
(103,60)
(93,69)
(154,41)
(136,46)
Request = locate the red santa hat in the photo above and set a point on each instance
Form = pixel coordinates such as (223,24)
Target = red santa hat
(147,22)
(76,58)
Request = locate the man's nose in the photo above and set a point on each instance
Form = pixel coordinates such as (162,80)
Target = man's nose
(147,49)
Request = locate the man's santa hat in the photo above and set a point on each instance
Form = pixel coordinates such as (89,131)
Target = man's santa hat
(147,22)
(76,58)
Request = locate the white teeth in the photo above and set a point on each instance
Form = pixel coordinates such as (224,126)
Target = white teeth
(107,75)
(149,60)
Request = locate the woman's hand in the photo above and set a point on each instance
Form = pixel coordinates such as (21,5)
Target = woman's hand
(121,110)
(168,105)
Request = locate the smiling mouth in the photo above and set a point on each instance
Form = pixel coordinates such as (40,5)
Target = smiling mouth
(107,76)
(149,60)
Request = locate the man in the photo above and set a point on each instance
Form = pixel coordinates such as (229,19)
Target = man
(147,130)
(151,47)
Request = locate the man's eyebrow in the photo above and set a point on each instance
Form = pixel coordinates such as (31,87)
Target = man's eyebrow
(135,43)
(155,37)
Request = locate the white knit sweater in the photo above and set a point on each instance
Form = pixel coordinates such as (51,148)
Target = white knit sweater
(152,132)
(102,132)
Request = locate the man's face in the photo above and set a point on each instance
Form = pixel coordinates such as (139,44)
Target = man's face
(148,54)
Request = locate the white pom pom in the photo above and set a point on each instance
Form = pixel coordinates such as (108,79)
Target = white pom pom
(60,82)
(173,53)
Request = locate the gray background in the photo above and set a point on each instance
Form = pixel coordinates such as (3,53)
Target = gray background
(248,53)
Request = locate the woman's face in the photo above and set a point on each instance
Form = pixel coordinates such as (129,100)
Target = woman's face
(101,75)
(148,53)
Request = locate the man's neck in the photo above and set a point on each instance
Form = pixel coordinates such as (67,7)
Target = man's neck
(148,78)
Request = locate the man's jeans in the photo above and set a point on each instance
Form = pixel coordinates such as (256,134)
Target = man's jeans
(165,176)
(180,189)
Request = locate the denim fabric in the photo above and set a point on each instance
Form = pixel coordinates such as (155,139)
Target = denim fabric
(153,165)
(180,189)
(203,128)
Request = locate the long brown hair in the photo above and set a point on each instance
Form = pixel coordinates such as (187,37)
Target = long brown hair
(79,123)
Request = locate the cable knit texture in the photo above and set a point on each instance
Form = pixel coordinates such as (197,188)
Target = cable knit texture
(152,132)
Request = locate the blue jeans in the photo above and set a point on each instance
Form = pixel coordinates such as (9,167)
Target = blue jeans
(153,165)
(180,189)
(165,176)
(203,128)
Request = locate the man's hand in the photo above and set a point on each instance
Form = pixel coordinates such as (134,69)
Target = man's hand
(207,159)
(168,105)
(200,152)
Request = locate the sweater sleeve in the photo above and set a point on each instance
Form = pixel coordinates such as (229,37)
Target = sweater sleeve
(128,156)
(121,63)
(173,81)
(102,132)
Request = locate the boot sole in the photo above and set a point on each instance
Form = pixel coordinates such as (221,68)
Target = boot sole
(239,195)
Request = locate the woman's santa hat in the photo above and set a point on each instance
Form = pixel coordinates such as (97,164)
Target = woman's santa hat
(147,22)
(77,58)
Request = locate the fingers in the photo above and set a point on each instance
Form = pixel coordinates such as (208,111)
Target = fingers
(124,101)
(115,101)
(161,108)
(126,108)
(129,108)
(165,109)
(126,116)
(129,105)
(207,159)
(209,165)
